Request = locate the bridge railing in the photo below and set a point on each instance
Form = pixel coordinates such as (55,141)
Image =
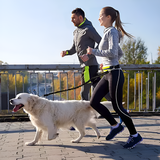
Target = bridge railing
(140,86)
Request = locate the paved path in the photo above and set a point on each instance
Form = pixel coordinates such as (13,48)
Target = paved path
(13,135)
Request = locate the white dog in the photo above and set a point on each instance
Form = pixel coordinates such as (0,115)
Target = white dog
(47,115)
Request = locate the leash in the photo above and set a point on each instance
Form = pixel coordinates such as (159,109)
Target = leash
(101,74)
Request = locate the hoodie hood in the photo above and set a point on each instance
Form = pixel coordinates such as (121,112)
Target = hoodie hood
(85,23)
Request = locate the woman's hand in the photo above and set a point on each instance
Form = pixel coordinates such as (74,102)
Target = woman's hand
(89,50)
(101,66)
(84,57)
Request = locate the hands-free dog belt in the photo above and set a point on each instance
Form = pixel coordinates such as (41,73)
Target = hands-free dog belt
(109,68)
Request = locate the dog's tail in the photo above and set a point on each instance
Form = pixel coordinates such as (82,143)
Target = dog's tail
(94,113)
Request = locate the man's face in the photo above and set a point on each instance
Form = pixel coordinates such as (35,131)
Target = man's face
(75,19)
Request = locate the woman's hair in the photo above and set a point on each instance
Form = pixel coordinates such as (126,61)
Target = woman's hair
(115,16)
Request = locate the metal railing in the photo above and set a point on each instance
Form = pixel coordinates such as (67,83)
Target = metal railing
(9,74)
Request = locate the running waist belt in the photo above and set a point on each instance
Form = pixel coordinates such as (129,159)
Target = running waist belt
(109,68)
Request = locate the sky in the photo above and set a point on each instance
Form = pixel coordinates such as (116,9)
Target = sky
(36,31)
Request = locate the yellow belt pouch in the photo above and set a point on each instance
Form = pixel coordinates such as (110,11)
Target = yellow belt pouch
(86,74)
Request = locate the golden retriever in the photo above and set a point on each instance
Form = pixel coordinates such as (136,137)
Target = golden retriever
(49,116)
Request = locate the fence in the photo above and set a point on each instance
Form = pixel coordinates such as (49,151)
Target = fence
(140,88)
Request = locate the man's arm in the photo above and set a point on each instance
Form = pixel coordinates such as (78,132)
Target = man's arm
(69,52)
(93,34)
(72,50)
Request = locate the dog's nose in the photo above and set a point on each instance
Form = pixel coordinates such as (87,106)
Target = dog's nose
(11,100)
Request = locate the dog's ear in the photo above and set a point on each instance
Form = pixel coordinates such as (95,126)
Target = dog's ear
(32,100)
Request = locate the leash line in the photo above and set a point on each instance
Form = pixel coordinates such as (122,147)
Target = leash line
(101,74)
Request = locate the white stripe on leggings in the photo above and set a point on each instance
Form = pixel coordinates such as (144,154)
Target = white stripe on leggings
(116,95)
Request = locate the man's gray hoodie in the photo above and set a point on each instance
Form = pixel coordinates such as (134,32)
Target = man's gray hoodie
(85,35)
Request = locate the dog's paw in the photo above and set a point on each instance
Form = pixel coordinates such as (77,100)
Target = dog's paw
(29,143)
(75,141)
(53,137)
(99,136)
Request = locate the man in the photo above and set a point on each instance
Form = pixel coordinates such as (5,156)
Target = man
(84,35)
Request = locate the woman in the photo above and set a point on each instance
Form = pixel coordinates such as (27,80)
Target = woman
(113,81)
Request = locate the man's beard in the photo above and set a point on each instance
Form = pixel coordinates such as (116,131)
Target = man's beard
(76,24)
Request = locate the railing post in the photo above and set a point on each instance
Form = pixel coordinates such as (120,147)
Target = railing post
(23,81)
(0,94)
(37,84)
(53,84)
(15,84)
(60,86)
(154,93)
(45,83)
(8,91)
(128,93)
(74,86)
(147,96)
(30,81)
(134,90)
(67,88)
(139,93)
(141,89)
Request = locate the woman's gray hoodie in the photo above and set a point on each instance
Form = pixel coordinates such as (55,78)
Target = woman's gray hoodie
(85,35)
(109,48)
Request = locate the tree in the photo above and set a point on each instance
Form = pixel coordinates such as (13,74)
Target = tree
(157,72)
(8,80)
(158,59)
(158,79)
(3,63)
(159,51)
(134,51)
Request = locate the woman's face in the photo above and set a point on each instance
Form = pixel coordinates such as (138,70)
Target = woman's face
(104,20)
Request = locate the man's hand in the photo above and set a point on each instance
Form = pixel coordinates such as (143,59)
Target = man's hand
(63,53)
(84,57)
(89,50)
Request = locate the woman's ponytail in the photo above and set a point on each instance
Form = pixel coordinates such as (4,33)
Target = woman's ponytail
(118,25)
(115,17)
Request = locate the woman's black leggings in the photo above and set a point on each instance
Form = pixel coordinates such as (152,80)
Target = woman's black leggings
(112,82)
